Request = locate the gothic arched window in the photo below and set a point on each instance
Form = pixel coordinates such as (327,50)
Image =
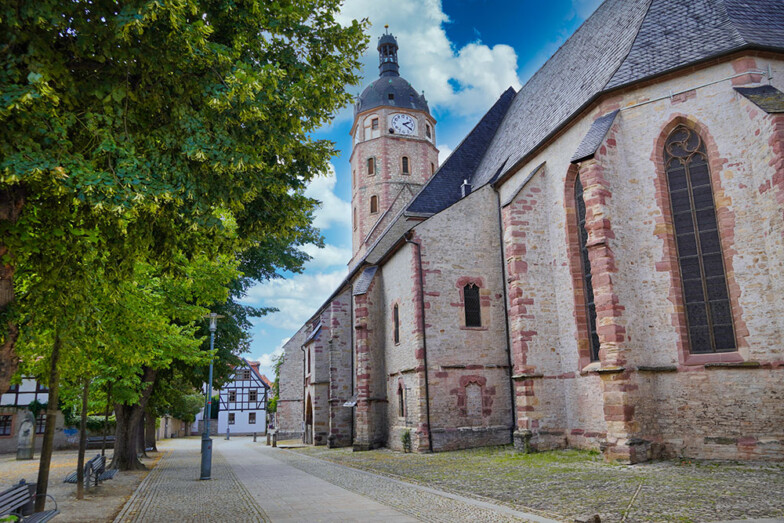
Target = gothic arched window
(406,168)
(590,306)
(373,204)
(473,310)
(708,311)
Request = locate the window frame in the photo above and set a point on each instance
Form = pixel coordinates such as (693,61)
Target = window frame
(251,418)
(374,204)
(6,425)
(232,418)
(371,166)
(586,275)
(405,165)
(232,396)
(253,395)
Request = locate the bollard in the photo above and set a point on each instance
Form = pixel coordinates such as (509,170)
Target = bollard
(254,437)
(228,432)
(275,440)
(269,439)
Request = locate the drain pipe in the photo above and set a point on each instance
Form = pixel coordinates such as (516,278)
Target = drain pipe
(506,315)
(353,377)
(424,336)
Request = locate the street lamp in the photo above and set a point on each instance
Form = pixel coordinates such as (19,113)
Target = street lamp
(206,441)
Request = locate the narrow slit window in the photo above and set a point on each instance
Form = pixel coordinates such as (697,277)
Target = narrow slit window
(704,282)
(406,168)
(590,306)
(373,204)
(401,401)
(396,323)
(473,311)
(427,131)
(371,166)
(432,168)
(355,218)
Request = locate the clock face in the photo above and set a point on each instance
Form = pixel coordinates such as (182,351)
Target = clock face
(403,124)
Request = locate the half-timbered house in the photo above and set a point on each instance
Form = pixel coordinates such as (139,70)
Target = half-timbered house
(243,401)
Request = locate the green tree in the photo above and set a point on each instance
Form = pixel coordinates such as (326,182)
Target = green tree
(146,127)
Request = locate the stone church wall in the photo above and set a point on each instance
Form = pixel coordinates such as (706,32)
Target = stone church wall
(290,413)
(470,397)
(337,319)
(651,396)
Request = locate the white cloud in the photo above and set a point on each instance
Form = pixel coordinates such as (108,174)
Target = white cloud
(297,297)
(443,153)
(465,81)
(329,256)
(333,210)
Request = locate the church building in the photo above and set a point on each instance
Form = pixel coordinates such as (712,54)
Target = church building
(597,265)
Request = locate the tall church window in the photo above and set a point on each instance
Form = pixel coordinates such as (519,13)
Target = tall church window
(401,401)
(708,311)
(396,323)
(473,311)
(590,306)
(373,204)
(371,166)
(406,168)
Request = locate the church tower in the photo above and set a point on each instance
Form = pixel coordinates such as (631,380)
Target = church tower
(394,151)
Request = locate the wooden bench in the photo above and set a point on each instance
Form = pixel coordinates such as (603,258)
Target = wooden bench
(96,442)
(14,500)
(95,469)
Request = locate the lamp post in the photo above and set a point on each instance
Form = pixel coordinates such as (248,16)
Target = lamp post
(206,441)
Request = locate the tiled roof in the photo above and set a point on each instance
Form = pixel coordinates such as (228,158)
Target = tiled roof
(766,97)
(362,284)
(623,42)
(443,189)
(594,137)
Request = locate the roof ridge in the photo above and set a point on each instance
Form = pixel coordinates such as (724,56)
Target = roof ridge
(722,5)
(629,50)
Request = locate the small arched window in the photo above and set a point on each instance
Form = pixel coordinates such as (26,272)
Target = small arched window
(590,307)
(371,165)
(473,310)
(373,204)
(704,282)
(432,168)
(406,168)
(396,323)
(427,131)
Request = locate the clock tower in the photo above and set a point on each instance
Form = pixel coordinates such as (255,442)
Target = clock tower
(394,151)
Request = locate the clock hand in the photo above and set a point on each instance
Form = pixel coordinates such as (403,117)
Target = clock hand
(408,125)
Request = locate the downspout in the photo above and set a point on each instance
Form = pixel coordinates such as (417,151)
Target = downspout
(304,404)
(424,336)
(506,314)
(353,377)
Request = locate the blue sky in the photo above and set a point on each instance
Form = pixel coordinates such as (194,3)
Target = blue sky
(463,54)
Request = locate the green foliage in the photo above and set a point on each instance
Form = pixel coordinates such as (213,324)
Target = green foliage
(272,404)
(186,407)
(36,407)
(215,407)
(405,439)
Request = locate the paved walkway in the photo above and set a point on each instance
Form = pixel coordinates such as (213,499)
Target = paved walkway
(253,482)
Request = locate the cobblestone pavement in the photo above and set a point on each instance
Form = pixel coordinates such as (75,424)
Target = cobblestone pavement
(293,487)
(575,483)
(172,491)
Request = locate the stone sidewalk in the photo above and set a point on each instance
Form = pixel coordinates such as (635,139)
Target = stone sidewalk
(253,482)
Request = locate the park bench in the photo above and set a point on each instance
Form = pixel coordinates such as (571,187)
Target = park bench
(14,501)
(96,442)
(95,469)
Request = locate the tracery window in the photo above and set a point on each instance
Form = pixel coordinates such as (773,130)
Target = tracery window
(406,169)
(708,311)
(590,306)
(396,323)
(473,311)
(373,204)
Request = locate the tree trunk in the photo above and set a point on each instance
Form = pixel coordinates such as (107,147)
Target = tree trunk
(128,418)
(106,418)
(11,202)
(51,421)
(82,443)
(140,433)
(149,432)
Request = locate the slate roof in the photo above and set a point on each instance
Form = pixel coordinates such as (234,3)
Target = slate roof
(443,189)
(766,97)
(362,284)
(594,137)
(403,95)
(623,42)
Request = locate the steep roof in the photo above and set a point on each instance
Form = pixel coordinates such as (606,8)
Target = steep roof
(443,189)
(623,42)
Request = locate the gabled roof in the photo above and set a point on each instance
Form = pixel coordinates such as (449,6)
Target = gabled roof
(443,189)
(624,42)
